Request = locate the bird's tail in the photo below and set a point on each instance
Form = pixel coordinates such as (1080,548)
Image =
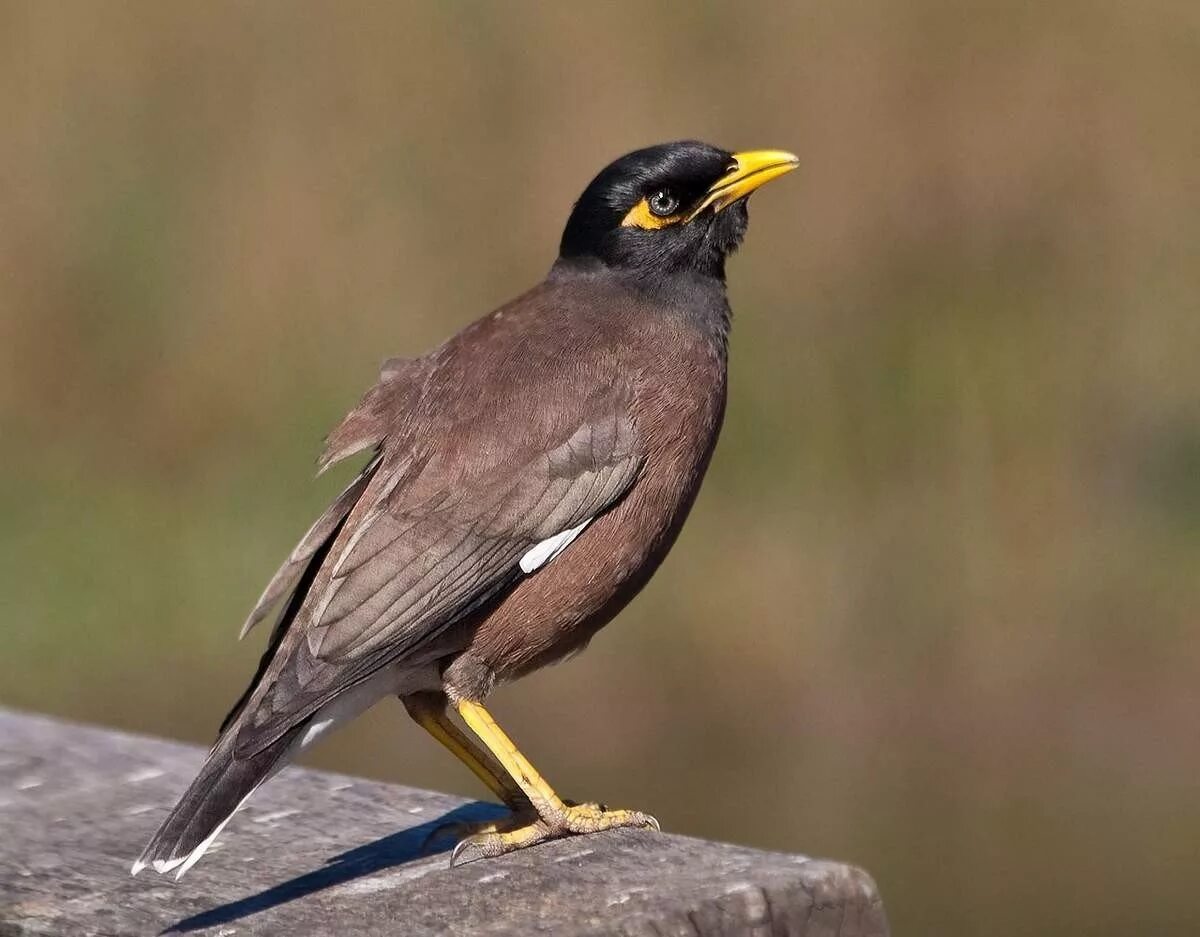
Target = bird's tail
(222,786)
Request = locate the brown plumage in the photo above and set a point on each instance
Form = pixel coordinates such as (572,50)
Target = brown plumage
(527,478)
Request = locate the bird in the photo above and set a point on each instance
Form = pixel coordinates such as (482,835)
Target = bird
(525,479)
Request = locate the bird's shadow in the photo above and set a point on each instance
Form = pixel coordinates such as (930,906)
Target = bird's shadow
(384,853)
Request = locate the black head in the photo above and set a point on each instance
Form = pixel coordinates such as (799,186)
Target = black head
(668,209)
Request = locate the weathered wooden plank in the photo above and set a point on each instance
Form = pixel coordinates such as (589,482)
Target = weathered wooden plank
(316,853)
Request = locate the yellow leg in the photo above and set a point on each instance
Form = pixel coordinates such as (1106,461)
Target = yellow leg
(553,818)
(428,710)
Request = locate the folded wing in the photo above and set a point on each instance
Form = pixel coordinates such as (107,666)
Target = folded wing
(426,544)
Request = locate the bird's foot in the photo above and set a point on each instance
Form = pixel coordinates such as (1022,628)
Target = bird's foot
(463,830)
(528,828)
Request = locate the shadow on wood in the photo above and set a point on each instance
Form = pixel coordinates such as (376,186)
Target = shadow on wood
(386,853)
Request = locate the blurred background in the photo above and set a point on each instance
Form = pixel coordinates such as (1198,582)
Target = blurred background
(935,611)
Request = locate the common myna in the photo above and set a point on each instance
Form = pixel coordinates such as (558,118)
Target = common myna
(526,479)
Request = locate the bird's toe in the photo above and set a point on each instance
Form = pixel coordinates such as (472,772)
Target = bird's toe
(501,838)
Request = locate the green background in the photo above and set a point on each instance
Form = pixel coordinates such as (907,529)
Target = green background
(935,611)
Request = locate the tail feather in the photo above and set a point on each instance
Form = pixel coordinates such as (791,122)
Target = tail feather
(222,786)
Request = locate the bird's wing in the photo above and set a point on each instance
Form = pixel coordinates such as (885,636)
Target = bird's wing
(365,427)
(326,526)
(427,544)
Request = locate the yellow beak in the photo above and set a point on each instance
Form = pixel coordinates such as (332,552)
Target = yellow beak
(749,170)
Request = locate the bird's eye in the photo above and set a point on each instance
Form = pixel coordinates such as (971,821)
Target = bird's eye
(664,202)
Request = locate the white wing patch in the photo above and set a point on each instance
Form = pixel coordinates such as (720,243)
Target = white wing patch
(542,553)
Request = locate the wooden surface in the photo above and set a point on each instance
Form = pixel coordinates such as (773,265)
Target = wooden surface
(315,853)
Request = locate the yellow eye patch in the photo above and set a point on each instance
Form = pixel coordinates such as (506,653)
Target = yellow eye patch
(640,216)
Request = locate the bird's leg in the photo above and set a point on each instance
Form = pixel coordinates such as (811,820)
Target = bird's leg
(551,816)
(428,710)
